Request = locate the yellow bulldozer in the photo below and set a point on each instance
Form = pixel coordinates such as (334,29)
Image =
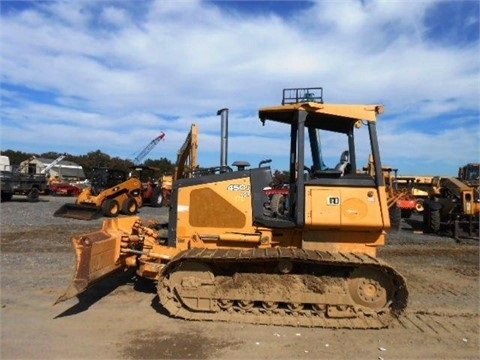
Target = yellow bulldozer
(111,192)
(223,257)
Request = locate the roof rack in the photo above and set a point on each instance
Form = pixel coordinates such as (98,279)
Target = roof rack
(299,95)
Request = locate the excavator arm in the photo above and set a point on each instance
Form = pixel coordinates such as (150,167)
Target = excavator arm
(187,154)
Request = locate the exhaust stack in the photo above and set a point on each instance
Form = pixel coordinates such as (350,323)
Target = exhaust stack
(224,138)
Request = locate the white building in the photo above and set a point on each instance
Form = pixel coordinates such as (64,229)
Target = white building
(65,170)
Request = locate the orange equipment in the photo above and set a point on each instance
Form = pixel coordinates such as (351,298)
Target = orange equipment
(223,257)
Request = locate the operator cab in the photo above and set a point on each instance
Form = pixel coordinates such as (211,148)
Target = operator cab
(104,178)
(320,134)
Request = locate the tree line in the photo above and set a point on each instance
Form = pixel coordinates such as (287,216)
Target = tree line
(97,158)
(94,159)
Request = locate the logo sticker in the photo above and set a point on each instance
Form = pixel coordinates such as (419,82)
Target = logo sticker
(333,200)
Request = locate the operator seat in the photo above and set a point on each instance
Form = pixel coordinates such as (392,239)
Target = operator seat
(344,166)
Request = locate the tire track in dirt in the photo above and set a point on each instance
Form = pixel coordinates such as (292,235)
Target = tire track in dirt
(443,326)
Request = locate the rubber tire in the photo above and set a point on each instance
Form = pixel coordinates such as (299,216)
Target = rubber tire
(395,217)
(433,220)
(130,206)
(277,204)
(110,208)
(7,196)
(157,197)
(33,195)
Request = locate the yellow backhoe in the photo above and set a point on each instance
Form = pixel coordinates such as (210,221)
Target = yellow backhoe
(453,205)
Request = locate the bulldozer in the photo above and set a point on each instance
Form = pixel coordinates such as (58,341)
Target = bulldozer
(222,257)
(111,192)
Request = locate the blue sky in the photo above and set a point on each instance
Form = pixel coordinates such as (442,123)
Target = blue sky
(77,76)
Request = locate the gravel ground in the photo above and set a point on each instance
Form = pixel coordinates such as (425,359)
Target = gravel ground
(118,319)
(19,212)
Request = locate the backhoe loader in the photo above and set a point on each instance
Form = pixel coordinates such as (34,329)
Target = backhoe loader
(223,257)
(453,204)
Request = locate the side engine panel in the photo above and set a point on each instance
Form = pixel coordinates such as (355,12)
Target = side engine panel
(217,210)
(344,208)
(350,216)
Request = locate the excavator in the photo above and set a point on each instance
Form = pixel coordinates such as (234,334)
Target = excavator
(223,257)
(185,166)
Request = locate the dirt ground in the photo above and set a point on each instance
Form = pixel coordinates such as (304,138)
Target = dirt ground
(118,319)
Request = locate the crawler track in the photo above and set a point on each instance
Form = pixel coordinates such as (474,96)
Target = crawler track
(283,286)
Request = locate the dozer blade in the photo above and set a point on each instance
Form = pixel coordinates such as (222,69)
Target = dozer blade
(80,212)
(98,254)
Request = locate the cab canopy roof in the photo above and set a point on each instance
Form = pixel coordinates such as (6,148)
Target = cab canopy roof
(333,117)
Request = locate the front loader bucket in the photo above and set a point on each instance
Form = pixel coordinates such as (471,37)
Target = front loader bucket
(78,211)
(98,255)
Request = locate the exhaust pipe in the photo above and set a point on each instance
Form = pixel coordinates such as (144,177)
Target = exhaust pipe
(224,139)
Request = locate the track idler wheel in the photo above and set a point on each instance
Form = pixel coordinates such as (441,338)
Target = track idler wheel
(187,280)
(370,288)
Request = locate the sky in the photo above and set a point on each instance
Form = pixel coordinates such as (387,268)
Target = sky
(81,76)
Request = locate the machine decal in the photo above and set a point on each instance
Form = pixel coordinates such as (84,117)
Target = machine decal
(242,188)
(333,200)
(238,187)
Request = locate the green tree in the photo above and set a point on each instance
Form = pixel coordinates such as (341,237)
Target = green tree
(91,160)
(97,158)
(50,155)
(16,157)
(280,178)
(165,166)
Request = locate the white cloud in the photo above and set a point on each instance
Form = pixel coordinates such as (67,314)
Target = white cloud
(115,16)
(126,76)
